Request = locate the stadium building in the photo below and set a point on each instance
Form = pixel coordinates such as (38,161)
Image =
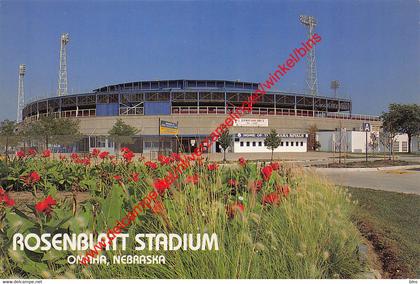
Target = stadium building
(175,115)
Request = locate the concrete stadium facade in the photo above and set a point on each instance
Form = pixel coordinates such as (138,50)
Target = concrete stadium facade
(198,107)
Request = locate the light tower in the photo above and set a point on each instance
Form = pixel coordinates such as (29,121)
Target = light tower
(62,74)
(311,78)
(21,98)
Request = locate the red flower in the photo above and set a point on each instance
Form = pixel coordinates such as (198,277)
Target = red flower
(151,165)
(266,172)
(158,207)
(20,154)
(212,167)
(103,155)
(128,156)
(242,161)
(46,153)
(161,185)
(234,208)
(272,198)
(117,177)
(31,152)
(5,198)
(275,166)
(164,160)
(9,201)
(95,152)
(125,150)
(31,178)
(257,185)
(135,177)
(192,179)
(74,156)
(232,182)
(176,156)
(85,161)
(45,205)
(283,189)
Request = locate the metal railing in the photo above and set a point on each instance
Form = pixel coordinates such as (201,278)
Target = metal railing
(273,111)
(219,110)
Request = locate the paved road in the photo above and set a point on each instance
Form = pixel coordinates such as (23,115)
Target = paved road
(406,181)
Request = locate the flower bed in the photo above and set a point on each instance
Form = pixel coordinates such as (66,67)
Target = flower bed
(271,221)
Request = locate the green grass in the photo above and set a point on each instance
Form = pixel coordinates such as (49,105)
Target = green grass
(310,235)
(391,221)
(370,164)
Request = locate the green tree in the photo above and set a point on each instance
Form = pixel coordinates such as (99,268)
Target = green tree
(312,137)
(373,144)
(403,118)
(272,141)
(225,141)
(52,130)
(8,136)
(121,132)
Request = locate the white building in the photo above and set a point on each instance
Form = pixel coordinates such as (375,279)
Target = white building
(355,141)
(254,143)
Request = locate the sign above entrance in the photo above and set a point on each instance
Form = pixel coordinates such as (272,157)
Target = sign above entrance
(168,128)
(251,122)
(261,135)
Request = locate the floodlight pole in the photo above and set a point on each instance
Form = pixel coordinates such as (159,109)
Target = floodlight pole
(311,80)
(21,94)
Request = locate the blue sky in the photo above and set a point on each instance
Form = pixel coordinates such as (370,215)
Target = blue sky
(371,47)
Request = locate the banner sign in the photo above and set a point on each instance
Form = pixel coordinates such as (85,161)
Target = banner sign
(251,122)
(168,128)
(261,135)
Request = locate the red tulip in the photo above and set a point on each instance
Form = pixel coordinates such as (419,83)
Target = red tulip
(164,160)
(266,172)
(45,205)
(74,156)
(128,156)
(117,177)
(46,153)
(95,152)
(212,167)
(103,155)
(20,154)
(161,185)
(257,185)
(192,179)
(135,177)
(5,198)
(283,189)
(176,156)
(234,208)
(125,150)
(31,152)
(85,161)
(271,198)
(242,161)
(232,182)
(151,165)
(275,166)
(31,178)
